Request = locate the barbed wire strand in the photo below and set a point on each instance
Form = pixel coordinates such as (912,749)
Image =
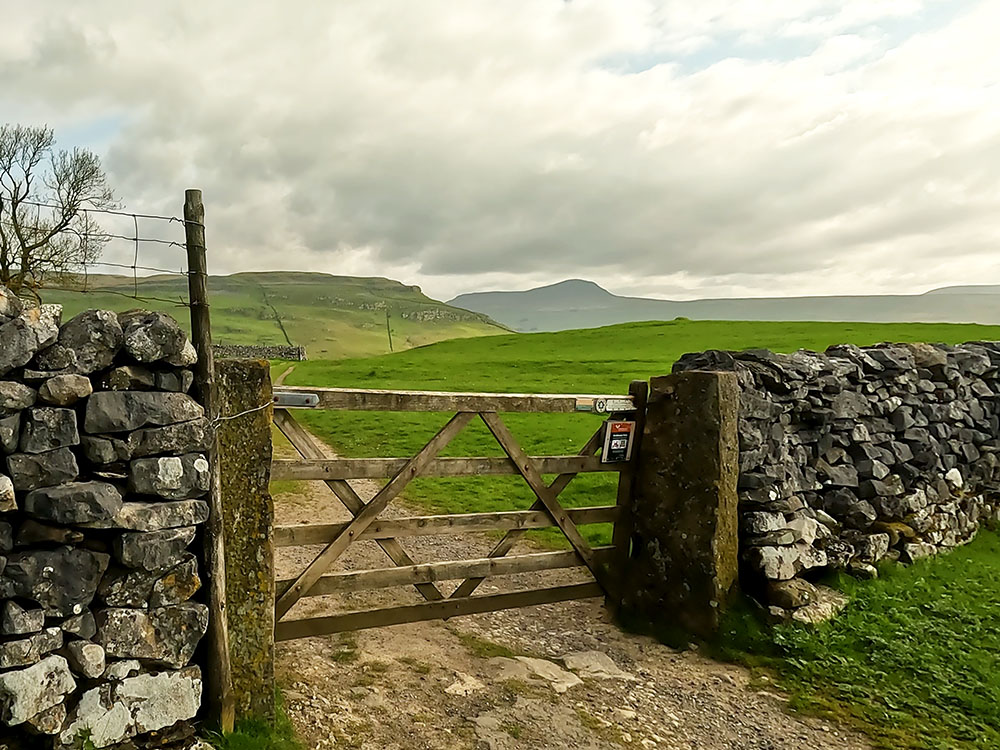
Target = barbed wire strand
(112,212)
(110,236)
(135,239)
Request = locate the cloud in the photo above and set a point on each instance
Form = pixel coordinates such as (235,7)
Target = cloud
(670,148)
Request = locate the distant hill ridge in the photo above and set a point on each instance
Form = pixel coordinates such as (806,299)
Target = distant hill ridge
(577,303)
(332,316)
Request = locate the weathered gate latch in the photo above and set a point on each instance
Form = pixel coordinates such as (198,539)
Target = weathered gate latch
(282,398)
(604,404)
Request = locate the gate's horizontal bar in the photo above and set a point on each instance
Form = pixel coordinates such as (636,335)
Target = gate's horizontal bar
(380,468)
(366,580)
(459,523)
(285,631)
(356,399)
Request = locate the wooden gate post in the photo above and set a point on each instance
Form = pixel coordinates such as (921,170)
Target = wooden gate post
(244,436)
(683,570)
(218,681)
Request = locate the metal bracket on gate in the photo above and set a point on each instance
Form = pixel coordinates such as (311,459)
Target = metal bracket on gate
(282,398)
(605,404)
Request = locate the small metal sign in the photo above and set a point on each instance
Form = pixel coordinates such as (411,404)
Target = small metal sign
(284,398)
(618,440)
(604,404)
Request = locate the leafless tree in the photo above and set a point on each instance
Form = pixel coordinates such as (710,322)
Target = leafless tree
(46,235)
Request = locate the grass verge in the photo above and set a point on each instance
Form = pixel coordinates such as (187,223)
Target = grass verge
(259,735)
(912,662)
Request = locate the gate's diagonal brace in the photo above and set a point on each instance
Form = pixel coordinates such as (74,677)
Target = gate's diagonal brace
(306,445)
(370,512)
(530,473)
(505,545)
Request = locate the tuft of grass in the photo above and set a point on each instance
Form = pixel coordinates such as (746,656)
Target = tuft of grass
(415,664)
(259,735)
(482,648)
(913,660)
(346,649)
(513,729)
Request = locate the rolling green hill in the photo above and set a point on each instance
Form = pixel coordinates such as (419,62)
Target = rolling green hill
(581,304)
(332,316)
(592,361)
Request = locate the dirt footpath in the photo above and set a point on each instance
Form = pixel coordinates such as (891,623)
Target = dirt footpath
(552,676)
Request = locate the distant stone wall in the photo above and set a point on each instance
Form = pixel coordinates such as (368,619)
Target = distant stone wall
(251,351)
(859,455)
(102,473)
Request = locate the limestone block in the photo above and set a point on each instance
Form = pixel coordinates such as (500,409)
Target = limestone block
(32,471)
(25,693)
(116,711)
(150,550)
(126,411)
(65,390)
(165,635)
(46,429)
(74,503)
(171,477)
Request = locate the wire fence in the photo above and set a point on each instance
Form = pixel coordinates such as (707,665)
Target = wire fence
(146,246)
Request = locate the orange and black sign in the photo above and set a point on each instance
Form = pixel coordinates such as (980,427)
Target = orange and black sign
(618,439)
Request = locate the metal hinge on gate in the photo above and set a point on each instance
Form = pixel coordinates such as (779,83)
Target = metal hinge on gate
(295,399)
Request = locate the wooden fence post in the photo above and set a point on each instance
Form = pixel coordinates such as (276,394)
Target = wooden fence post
(218,679)
(248,510)
(683,570)
(621,538)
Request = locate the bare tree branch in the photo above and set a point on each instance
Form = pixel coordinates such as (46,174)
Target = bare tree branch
(40,245)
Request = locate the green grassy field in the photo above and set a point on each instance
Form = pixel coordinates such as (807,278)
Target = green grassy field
(332,316)
(913,660)
(599,360)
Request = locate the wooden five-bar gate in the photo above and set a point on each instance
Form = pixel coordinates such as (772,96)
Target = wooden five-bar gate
(603,563)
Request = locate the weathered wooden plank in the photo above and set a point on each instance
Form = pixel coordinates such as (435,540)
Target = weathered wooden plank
(447,608)
(371,511)
(366,580)
(506,544)
(308,447)
(459,523)
(355,399)
(621,537)
(378,468)
(220,700)
(510,445)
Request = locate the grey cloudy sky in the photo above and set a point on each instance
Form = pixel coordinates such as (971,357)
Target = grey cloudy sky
(678,148)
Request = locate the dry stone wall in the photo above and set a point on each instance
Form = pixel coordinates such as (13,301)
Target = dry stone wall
(103,471)
(260,351)
(859,455)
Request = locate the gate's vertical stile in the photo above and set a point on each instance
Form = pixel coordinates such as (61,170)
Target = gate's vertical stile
(218,680)
(621,538)
(245,451)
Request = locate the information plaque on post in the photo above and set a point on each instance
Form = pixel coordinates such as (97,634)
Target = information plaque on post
(618,440)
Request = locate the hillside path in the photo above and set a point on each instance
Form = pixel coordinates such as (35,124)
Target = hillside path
(454,686)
